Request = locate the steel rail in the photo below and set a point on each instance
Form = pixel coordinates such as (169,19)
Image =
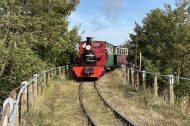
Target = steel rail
(126,121)
(90,120)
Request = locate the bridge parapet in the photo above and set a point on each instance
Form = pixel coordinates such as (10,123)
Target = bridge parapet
(21,99)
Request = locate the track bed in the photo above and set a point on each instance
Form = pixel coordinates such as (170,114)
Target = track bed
(97,111)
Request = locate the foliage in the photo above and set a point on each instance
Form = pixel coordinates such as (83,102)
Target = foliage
(34,36)
(164,39)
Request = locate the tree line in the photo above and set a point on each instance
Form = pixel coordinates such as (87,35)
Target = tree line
(164,41)
(34,36)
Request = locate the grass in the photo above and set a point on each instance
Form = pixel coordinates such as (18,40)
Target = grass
(58,106)
(94,104)
(141,107)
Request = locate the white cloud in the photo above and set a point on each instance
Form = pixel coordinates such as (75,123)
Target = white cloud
(102,29)
(112,9)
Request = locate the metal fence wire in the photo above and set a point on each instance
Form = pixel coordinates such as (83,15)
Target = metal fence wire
(22,99)
(157,93)
(142,80)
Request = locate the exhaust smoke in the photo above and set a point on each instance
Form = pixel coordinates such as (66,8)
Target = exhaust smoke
(112,9)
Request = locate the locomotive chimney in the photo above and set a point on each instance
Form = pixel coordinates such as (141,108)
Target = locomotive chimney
(89,41)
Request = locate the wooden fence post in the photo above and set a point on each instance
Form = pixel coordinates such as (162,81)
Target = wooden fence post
(35,86)
(30,96)
(59,73)
(144,79)
(24,106)
(64,72)
(155,85)
(45,79)
(39,85)
(124,76)
(128,76)
(171,88)
(137,81)
(49,77)
(132,78)
(16,122)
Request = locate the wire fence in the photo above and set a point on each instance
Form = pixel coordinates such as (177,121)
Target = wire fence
(139,79)
(22,99)
(161,93)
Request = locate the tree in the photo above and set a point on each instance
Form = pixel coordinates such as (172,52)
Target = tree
(34,36)
(164,41)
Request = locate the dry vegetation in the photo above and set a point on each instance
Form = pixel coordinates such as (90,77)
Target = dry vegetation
(59,106)
(102,115)
(141,107)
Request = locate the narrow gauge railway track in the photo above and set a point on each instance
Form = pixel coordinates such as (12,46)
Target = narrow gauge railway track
(90,120)
(125,120)
(97,113)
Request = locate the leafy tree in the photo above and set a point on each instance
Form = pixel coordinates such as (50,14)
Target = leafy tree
(164,42)
(34,36)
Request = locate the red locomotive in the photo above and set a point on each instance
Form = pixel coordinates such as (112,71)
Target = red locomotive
(97,56)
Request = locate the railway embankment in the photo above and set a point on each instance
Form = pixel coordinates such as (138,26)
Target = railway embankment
(58,106)
(140,107)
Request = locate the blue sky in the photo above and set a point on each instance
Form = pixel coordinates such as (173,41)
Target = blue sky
(112,20)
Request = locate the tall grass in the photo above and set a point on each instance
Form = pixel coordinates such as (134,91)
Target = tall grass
(58,106)
(141,106)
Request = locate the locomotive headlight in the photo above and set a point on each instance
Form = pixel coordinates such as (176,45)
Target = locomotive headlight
(88,47)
